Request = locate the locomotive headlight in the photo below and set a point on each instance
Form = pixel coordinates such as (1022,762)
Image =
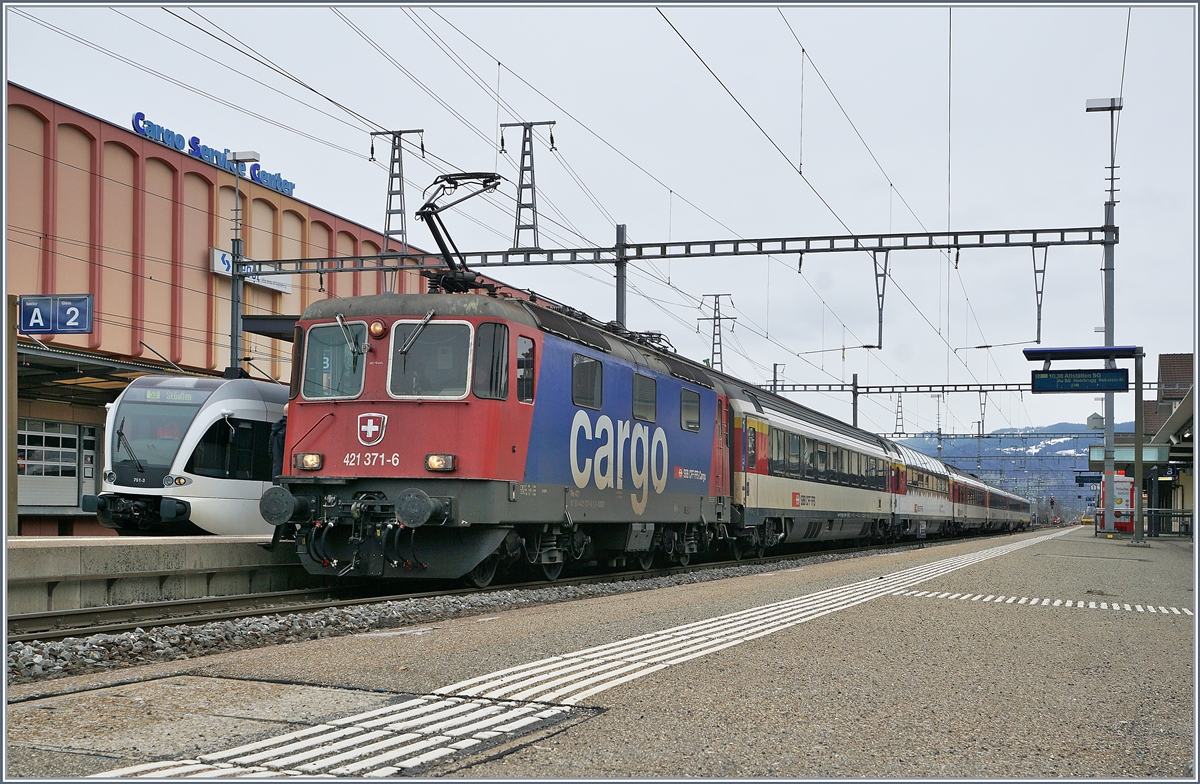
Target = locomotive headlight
(440,462)
(377,329)
(309,461)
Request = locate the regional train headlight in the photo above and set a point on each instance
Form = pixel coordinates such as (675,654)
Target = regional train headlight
(309,461)
(440,462)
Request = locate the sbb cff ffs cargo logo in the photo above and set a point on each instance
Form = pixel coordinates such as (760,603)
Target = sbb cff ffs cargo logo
(371,428)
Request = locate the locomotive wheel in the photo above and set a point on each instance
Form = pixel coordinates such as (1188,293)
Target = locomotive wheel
(551,571)
(735,549)
(684,558)
(760,551)
(646,560)
(481,576)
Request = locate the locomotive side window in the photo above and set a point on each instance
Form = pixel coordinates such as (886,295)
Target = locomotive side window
(689,410)
(333,361)
(233,449)
(431,361)
(587,381)
(491,361)
(297,362)
(524,370)
(645,398)
(777,457)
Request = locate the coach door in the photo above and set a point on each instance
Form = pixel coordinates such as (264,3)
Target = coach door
(722,453)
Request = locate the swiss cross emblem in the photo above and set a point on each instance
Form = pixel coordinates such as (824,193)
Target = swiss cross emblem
(370,428)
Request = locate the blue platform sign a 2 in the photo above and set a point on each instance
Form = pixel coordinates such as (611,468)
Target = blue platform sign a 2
(55,315)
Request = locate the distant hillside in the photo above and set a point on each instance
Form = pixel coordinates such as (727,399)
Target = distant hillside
(1035,462)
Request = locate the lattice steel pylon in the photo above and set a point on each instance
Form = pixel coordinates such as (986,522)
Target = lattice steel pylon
(395,198)
(526,188)
(899,430)
(715,318)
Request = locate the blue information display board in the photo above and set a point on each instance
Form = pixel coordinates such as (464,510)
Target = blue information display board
(55,314)
(1107,380)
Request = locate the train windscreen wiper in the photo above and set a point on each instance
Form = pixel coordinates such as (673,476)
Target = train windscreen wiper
(416,334)
(355,350)
(122,439)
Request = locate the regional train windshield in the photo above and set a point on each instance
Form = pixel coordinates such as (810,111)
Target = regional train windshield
(150,423)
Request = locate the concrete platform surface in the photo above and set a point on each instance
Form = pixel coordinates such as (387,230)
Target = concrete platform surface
(909,664)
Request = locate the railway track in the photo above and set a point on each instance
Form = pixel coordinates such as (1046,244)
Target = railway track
(61,624)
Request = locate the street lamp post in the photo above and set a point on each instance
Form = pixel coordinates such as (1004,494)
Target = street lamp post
(236,277)
(1112,106)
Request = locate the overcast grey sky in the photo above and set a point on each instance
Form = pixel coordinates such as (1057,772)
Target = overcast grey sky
(972,119)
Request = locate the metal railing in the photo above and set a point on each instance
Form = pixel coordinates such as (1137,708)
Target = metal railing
(1169,522)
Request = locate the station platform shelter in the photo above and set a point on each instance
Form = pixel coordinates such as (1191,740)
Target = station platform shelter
(1168,450)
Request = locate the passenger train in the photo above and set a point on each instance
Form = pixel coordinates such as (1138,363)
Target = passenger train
(188,454)
(450,435)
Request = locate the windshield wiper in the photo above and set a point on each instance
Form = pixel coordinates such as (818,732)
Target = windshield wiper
(416,333)
(354,349)
(122,439)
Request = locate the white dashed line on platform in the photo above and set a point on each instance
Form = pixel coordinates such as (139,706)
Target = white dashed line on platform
(1041,601)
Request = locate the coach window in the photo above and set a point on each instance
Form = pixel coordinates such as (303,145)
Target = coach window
(334,361)
(645,398)
(872,473)
(524,370)
(689,410)
(794,470)
(587,381)
(834,461)
(822,458)
(778,454)
(751,450)
(808,455)
(491,361)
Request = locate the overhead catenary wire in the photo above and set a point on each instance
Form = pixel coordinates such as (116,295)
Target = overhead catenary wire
(801,175)
(620,153)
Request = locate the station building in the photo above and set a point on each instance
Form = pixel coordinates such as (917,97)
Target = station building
(140,216)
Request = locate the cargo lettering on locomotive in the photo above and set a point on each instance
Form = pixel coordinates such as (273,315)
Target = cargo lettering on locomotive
(648,456)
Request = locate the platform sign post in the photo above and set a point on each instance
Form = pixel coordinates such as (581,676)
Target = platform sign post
(1108,380)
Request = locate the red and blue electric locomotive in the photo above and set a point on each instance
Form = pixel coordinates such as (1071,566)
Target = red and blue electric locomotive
(443,435)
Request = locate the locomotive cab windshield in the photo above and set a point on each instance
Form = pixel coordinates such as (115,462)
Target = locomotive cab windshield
(151,423)
(333,367)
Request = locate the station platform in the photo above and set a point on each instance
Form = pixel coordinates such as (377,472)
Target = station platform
(909,664)
(67,573)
